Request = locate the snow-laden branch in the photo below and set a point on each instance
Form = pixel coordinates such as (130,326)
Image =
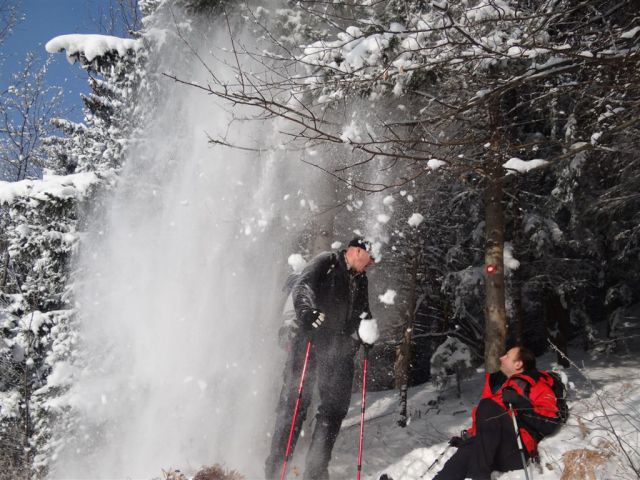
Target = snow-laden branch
(91,46)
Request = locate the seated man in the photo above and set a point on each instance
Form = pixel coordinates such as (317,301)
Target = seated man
(491,443)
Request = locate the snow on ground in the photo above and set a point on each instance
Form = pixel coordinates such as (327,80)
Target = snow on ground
(604,417)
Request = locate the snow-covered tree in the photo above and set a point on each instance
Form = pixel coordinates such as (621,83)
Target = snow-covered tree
(111,110)
(39,225)
(493,87)
(451,358)
(26,108)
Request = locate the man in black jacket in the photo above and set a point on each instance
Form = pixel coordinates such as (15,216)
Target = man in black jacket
(330,299)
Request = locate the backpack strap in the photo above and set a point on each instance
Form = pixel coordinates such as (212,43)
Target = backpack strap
(525,383)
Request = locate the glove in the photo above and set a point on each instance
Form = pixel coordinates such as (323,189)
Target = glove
(459,441)
(513,398)
(314,318)
(456,442)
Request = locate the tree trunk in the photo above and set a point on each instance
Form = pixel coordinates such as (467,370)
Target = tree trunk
(517,275)
(5,266)
(495,311)
(557,322)
(403,354)
(518,308)
(323,224)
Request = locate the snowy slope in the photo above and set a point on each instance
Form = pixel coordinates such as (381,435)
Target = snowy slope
(600,441)
(604,419)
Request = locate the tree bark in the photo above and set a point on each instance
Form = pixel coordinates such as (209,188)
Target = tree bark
(404,351)
(557,321)
(5,265)
(495,311)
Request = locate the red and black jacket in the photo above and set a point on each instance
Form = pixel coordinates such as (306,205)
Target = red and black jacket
(536,421)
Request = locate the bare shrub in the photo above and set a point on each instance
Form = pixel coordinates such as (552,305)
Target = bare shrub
(217,472)
(581,463)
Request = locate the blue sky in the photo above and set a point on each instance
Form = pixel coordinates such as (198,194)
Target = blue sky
(45,19)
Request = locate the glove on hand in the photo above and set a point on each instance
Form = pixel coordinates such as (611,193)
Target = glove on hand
(315,318)
(456,442)
(459,441)
(511,397)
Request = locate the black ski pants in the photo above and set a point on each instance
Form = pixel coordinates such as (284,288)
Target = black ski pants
(331,366)
(494,447)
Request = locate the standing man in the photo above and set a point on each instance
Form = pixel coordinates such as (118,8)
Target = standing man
(330,298)
(491,443)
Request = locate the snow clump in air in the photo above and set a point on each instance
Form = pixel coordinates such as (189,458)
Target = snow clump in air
(351,133)
(383,218)
(435,164)
(415,219)
(523,166)
(510,263)
(376,251)
(336,245)
(368,331)
(388,297)
(296,262)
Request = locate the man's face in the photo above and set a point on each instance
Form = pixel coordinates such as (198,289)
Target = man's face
(360,259)
(509,362)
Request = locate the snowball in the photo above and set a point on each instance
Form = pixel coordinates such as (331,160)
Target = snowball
(388,297)
(368,331)
(336,245)
(415,220)
(296,262)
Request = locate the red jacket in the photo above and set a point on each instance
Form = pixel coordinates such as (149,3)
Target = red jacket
(537,421)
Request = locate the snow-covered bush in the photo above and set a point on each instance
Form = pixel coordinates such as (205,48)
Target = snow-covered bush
(451,359)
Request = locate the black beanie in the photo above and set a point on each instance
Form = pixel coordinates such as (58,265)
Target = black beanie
(360,243)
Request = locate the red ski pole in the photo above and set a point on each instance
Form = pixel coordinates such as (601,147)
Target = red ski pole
(364,394)
(295,412)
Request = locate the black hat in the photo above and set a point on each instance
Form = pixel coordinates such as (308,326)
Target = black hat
(360,243)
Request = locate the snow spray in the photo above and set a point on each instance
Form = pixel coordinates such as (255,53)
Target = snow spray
(176,288)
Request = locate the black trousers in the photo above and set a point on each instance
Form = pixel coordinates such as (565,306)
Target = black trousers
(331,366)
(494,447)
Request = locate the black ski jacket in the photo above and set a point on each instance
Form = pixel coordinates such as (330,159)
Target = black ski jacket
(326,284)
